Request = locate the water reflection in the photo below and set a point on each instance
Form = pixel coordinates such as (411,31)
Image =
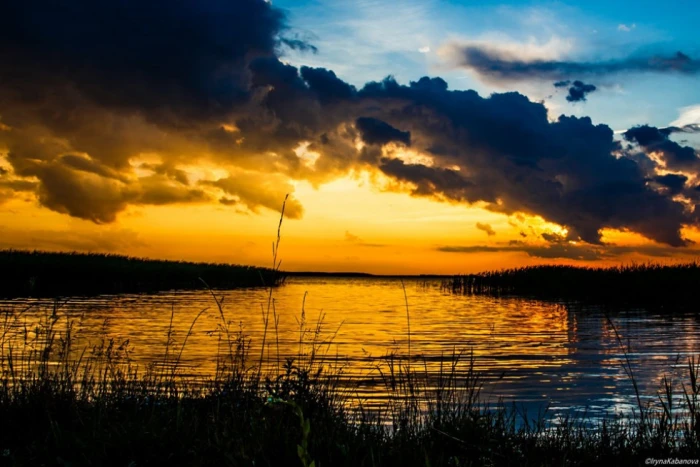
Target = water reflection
(532,353)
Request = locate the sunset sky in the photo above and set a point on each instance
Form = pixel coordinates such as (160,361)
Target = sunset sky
(425,136)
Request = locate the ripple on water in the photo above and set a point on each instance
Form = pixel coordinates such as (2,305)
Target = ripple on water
(530,352)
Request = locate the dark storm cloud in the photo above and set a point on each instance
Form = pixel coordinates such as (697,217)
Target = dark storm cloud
(298,44)
(675,156)
(501,151)
(91,198)
(327,86)
(99,199)
(93,86)
(87,165)
(500,65)
(428,181)
(18,185)
(155,57)
(672,182)
(88,86)
(553,238)
(375,131)
(513,159)
(578,91)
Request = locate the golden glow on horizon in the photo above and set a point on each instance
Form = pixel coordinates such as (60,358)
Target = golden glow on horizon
(361,222)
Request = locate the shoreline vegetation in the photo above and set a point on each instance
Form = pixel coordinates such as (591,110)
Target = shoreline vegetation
(63,405)
(43,274)
(658,287)
(49,274)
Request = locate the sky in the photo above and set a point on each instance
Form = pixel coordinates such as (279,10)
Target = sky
(433,136)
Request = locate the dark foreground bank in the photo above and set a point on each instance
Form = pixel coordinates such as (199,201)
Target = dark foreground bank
(46,274)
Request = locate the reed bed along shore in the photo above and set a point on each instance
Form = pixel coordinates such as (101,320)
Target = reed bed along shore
(62,405)
(650,285)
(47,274)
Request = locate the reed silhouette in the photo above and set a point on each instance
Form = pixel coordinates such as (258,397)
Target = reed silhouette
(48,274)
(650,285)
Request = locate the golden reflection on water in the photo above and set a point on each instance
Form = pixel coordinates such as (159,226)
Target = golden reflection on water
(527,351)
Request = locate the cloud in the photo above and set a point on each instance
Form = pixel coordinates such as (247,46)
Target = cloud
(688,116)
(485,228)
(167,170)
(118,90)
(84,189)
(254,189)
(116,53)
(548,251)
(532,50)
(228,201)
(159,190)
(553,237)
(674,156)
(511,158)
(85,164)
(626,28)
(500,63)
(104,239)
(10,186)
(375,131)
(354,239)
(578,90)
(567,250)
(351,238)
(121,117)
(689,128)
(674,183)
(18,185)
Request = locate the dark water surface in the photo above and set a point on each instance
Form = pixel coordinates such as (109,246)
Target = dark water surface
(533,353)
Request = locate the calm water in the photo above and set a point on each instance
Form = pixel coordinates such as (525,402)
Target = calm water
(533,353)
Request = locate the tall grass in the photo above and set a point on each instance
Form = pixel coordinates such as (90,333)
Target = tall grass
(62,405)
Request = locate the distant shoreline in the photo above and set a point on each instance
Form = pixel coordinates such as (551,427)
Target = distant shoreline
(47,274)
(44,274)
(366,274)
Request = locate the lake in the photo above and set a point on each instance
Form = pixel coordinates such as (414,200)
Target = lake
(532,353)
